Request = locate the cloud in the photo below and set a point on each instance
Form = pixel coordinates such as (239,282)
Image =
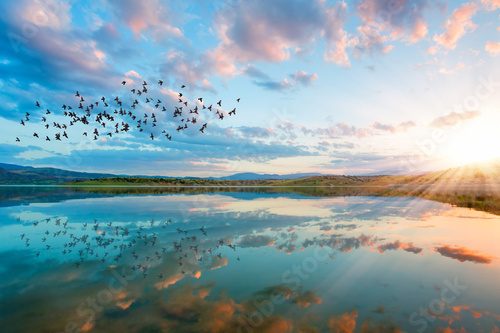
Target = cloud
(256,73)
(169,281)
(35,154)
(370,41)
(385,21)
(282,85)
(463,254)
(493,48)
(254,132)
(344,323)
(304,78)
(306,299)
(152,16)
(459,23)
(451,70)
(397,245)
(218,263)
(48,49)
(338,130)
(491,4)
(255,241)
(53,14)
(401,127)
(270,31)
(337,40)
(186,153)
(342,244)
(453,118)
(292,81)
(188,70)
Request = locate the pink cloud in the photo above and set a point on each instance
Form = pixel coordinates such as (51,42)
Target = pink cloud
(453,118)
(64,52)
(304,77)
(491,4)
(188,70)
(336,37)
(394,128)
(459,23)
(492,48)
(384,21)
(143,16)
(53,14)
(272,31)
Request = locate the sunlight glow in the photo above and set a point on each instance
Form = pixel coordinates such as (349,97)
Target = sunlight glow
(476,142)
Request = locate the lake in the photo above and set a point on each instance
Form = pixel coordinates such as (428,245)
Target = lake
(244,261)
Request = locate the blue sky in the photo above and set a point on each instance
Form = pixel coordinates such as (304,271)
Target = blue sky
(352,87)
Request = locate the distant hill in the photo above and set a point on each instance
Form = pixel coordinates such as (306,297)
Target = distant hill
(11,174)
(266,176)
(473,174)
(16,174)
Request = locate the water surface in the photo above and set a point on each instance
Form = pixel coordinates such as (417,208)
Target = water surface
(244,262)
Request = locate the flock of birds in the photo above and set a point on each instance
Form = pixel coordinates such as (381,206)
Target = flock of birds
(108,117)
(111,244)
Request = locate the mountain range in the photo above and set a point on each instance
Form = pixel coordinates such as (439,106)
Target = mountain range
(11,174)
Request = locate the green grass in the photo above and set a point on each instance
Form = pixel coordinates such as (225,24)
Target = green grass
(470,187)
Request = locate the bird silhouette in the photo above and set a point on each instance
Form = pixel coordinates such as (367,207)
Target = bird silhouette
(122,116)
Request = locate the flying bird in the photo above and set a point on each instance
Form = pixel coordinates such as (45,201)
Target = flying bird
(121,114)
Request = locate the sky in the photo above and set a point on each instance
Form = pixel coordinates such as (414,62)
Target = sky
(331,87)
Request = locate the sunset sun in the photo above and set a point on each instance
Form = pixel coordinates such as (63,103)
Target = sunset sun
(474,143)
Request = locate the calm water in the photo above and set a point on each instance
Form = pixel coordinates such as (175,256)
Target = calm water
(244,262)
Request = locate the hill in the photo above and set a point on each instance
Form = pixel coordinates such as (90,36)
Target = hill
(11,174)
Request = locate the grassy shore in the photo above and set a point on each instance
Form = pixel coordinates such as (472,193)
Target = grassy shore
(476,187)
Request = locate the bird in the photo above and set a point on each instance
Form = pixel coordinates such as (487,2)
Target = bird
(118,113)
